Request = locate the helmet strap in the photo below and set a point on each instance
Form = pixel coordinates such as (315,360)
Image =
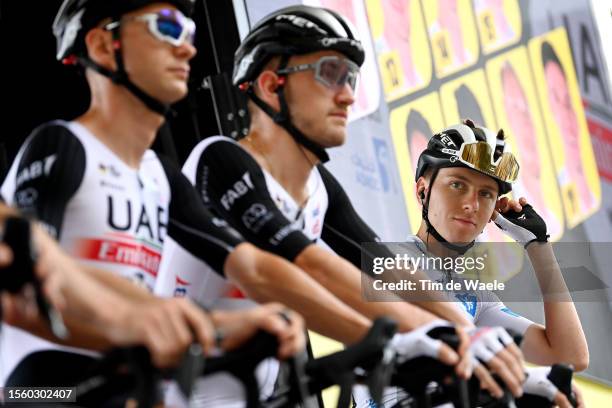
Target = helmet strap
(120,76)
(460,249)
(283,117)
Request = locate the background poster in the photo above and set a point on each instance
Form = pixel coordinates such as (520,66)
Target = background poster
(567,130)
(517,110)
(400,43)
(468,97)
(411,127)
(368,92)
(499,23)
(452,34)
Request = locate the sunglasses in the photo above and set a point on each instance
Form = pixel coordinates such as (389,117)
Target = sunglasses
(333,72)
(166,25)
(479,156)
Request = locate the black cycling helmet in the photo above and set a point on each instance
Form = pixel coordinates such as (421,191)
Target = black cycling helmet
(291,31)
(473,147)
(76,17)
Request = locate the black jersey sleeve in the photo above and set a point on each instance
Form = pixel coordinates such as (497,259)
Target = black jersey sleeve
(343,229)
(193,226)
(49,172)
(232,182)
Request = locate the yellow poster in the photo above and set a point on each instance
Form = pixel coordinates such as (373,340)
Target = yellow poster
(452,34)
(499,23)
(516,106)
(568,136)
(367,94)
(411,127)
(400,43)
(468,97)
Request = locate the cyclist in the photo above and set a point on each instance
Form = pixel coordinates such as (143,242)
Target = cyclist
(298,66)
(453,219)
(93,183)
(163,325)
(459,189)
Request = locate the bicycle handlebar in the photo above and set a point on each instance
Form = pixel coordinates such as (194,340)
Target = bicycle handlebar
(18,236)
(369,361)
(416,374)
(561,376)
(371,354)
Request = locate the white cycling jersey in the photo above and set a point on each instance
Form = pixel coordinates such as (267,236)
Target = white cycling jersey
(182,274)
(103,213)
(110,220)
(483,308)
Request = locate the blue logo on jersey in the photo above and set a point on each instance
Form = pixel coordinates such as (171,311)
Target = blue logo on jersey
(510,312)
(469,302)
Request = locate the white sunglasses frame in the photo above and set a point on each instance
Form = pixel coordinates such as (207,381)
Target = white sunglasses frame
(316,67)
(189,27)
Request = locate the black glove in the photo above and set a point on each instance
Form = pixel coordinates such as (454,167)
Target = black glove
(524,227)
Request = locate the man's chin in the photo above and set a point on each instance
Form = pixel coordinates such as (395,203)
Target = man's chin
(461,239)
(173,97)
(337,138)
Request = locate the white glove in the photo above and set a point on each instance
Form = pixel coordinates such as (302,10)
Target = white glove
(485,342)
(417,343)
(537,383)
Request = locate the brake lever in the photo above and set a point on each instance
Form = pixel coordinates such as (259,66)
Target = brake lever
(189,369)
(128,370)
(298,391)
(241,363)
(379,376)
(486,400)
(378,367)
(561,376)
(460,384)
(339,368)
(415,375)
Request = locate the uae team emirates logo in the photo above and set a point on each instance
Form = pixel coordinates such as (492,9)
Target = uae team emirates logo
(125,251)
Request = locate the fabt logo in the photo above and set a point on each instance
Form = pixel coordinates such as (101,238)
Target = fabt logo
(237,190)
(36,169)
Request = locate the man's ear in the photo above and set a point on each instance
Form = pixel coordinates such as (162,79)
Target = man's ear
(493,215)
(421,190)
(99,43)
(267,84)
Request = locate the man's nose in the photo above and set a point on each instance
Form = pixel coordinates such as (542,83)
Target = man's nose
(186,50)
(345,96)
(470,202)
